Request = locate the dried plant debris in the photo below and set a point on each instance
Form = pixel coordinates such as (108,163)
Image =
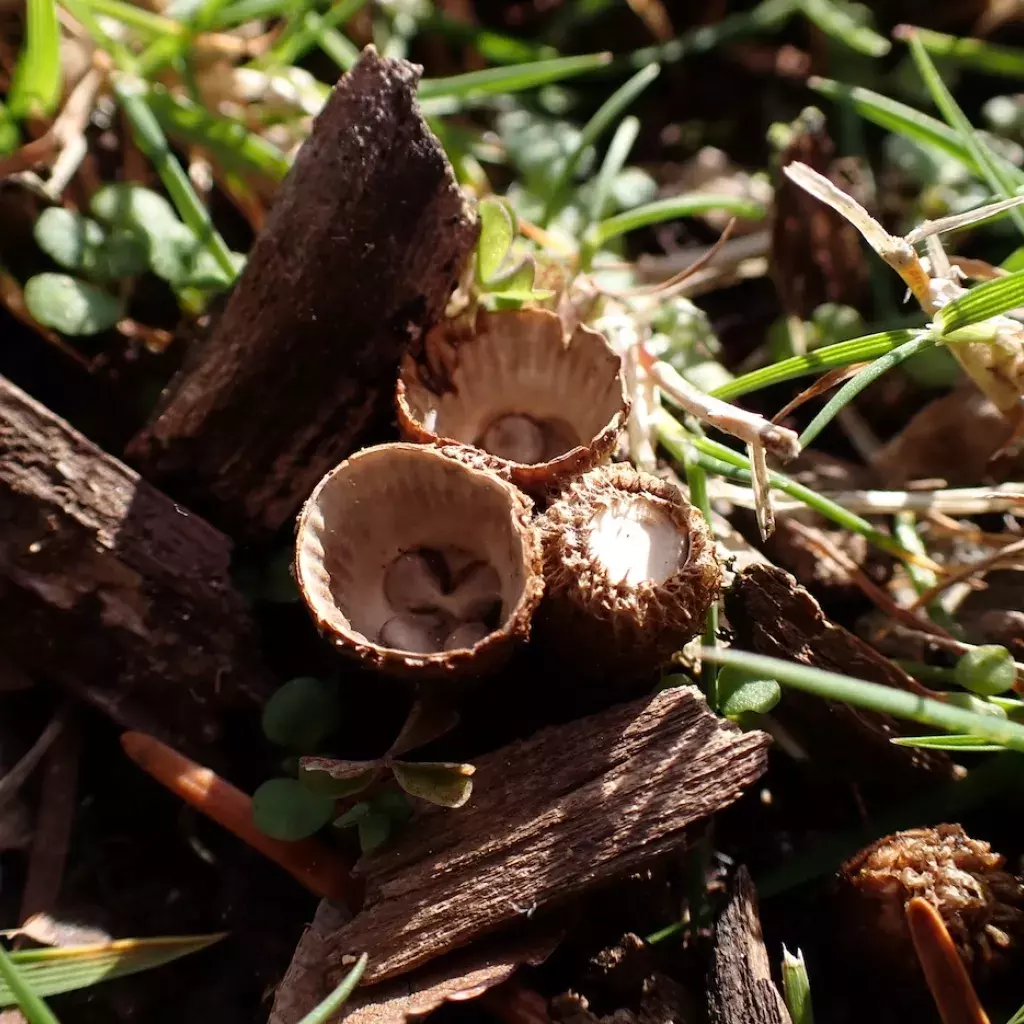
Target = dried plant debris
(816,254)
(631,571)
(551,817)
(464,975)
(417,563)
(544,407)
(740,986)
(980,902)
(770,613)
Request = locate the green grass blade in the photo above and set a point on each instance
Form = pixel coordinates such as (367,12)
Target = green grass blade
(36,84)
(306,32)
(226,139)
(839,25)
(334,1002)
(908,122)
(831,357)
(885,700)
(615,159)
(1001,183)
(766,16)
(691,205)
(22,994)
(341,50)
(241,11)
(978,54)
(697,482)
(494,81)
(51,972)
(139,18)
(492,46)
(963,744)
(988,299)
(149,137)
(797,987)
(10,137)
(849,391)
(83,14)
(606,115)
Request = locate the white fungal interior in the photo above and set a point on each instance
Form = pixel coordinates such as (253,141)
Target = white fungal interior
(520,392)
(408,549)
(636,542)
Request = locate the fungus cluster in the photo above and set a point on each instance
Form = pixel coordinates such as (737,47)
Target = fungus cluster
(425,558)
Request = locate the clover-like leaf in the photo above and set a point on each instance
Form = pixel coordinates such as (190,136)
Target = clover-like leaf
(518,277)
(740,693)
(374,827)
(497,231)
(332,777)
(70,306)
(133,207)
(302,713)
(69,239)
(428,720)
(438,782)
(285,809)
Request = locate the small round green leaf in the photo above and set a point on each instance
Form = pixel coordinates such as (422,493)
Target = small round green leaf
(133,207)
(497,232)
(987,670)
(285,809)
(740,693)
(69,305)
(301,713)
(441,783)
(125,254)
(69,239)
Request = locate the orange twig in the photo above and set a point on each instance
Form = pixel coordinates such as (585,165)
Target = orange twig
(318,867)
(944,971)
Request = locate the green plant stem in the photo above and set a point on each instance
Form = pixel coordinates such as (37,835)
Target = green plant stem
(836,23)
(849,391)
(1001,183)
(885,700)
(35,86)
(615,158)
(697,480)
(150,139)
(307,30)
(979,54)
(606,115)
(494,81)
(905,531)
(34,1009)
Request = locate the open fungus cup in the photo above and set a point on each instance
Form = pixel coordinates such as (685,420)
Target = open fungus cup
(630,569)
(418,564)
(542,406)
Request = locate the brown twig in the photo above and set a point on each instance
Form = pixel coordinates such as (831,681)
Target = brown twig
(983,565)
(947,978)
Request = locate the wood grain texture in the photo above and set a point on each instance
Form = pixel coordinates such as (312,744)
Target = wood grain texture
(113,590)
(740,986)
(573,807)
(771,614)
(358,257)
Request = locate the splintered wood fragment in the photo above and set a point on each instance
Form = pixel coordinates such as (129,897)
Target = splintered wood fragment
(358,256)
(111,589)
(741,990)
(771,614)
(551,817)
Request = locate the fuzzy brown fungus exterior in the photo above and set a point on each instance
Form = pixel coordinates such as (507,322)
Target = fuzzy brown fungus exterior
(631,571)
(540,407)
(981,904)
(418,564)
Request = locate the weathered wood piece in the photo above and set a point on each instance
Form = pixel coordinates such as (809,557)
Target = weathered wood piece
(358,256)
(740,986)
(111,589)
(771,614)
(572,807)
